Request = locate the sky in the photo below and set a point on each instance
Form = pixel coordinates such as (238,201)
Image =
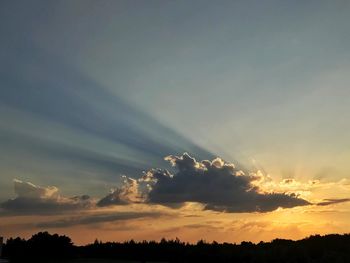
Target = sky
(223,120)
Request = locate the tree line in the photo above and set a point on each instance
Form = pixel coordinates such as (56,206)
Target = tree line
(46,247)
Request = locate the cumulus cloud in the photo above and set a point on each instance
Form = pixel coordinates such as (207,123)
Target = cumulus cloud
(216,184)
(128,193)
(33,199)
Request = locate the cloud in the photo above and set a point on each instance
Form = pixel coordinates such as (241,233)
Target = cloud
(33,199)
(99,218)
(216,184)
(333,201)
(128,193)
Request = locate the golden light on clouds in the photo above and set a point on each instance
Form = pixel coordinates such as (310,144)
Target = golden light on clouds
(128,212)
(189,223)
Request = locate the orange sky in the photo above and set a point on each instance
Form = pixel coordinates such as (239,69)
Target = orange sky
(190,223)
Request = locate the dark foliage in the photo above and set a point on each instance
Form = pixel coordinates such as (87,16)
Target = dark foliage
(41,246)
(44,246)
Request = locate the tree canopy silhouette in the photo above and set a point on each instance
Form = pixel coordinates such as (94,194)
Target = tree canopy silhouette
(44,247)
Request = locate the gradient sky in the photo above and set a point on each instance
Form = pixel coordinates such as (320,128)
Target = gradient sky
(91,91)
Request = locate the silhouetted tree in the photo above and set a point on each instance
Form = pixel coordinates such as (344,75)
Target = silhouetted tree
(44,247)
(41,246)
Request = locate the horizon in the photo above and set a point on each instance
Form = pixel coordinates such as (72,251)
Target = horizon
(223,121)
(176,239)
(44,247)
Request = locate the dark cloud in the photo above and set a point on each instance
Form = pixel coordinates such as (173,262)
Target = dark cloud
(33,199)
(333,201)
(216,184)
(99,218)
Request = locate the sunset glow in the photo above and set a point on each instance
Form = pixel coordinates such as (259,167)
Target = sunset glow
(194,120)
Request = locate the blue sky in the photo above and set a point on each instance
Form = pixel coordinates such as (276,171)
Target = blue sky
(91,90)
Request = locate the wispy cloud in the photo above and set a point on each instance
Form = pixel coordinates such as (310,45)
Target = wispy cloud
(98,218)
(333,201)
